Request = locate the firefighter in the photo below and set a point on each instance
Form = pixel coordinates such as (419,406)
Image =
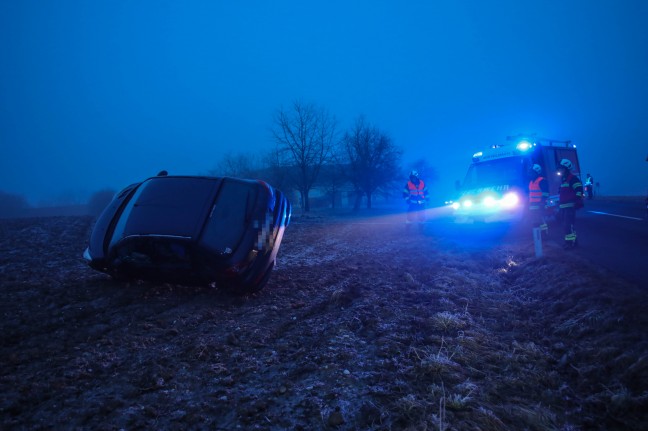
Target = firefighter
(571,199)
(538,195)
(589,186)
(415,195)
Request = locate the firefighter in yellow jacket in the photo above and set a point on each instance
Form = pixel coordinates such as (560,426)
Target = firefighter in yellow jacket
(538,195)
(415,195)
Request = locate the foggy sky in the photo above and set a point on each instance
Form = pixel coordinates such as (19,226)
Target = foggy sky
(100,94)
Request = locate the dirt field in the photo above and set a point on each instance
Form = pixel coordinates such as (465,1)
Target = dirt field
(361,327)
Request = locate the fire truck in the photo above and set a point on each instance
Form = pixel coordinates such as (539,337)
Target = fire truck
(496,186)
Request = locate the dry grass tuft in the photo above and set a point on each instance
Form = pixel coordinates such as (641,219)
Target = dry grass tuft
(457,401)
(434,361)
(537,418)
(447,321)
(488,419)
(583,321)
(411,407)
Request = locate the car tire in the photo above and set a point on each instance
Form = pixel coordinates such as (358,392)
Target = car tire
(248,289)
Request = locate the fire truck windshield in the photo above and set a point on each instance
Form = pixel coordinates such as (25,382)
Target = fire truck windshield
(507,171)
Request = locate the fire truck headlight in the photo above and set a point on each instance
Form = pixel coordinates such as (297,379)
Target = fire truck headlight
(510,200)
(455,205)
(467,203)
(489,201)
(524,146)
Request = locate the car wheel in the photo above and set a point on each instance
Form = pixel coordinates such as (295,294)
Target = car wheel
(248,289)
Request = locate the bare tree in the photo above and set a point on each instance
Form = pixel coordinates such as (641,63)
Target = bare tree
(426,171)
(240,165)
(277,173)
(374,160)
(332,177)
(304,136)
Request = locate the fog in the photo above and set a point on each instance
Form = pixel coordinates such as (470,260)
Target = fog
(101,94)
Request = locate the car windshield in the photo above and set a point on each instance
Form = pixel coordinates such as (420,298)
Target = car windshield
(509,171)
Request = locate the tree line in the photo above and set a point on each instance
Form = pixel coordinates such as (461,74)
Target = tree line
(15,206)
(311,152)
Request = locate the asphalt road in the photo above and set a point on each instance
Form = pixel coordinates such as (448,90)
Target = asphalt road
(613,233)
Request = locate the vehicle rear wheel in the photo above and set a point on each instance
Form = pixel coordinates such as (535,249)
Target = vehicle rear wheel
(249,289)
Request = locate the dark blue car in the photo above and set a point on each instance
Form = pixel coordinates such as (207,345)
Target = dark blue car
(192,230)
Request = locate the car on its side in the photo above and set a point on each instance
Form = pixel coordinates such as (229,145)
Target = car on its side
(192,230)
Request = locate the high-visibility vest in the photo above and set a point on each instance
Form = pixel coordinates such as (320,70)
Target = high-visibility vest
(535,193)
(416,192)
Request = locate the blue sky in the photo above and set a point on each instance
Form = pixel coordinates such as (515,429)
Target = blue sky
(99,94)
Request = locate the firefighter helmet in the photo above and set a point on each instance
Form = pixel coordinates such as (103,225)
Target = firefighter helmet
(537,168)
(414,173)
(566,163)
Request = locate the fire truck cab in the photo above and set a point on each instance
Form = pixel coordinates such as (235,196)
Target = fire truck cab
(496,186)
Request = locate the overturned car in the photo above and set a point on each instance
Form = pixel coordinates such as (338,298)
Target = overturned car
(192,230)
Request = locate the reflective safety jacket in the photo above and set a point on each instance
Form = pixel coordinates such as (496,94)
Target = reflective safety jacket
(571,192)
(416,193)
(538,193)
